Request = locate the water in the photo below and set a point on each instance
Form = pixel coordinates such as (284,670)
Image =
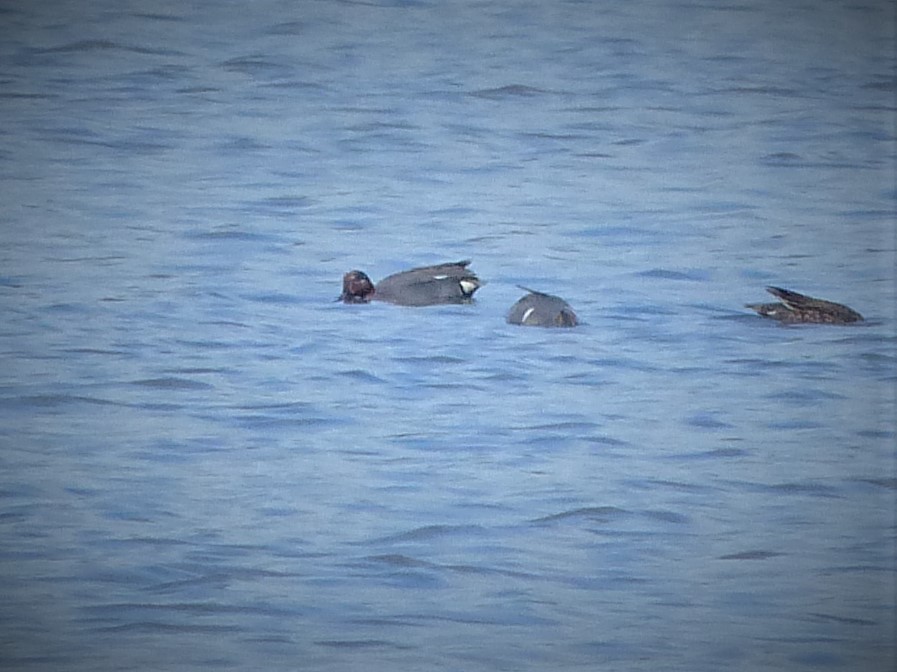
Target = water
(207,463)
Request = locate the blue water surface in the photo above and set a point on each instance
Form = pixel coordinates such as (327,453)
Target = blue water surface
(206,463)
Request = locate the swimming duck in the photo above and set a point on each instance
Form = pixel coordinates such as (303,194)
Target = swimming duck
(425,286)
(796,308)
(538,309)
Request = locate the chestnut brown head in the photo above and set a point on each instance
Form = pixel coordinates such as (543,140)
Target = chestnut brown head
(357,288)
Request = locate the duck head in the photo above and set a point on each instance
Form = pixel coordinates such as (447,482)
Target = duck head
(357,288)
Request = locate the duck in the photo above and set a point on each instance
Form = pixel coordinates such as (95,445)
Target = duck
(450,282)
(538,309)
(798,308)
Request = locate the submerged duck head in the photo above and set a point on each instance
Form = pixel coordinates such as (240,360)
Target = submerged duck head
(798,308)
(538,309)
(357,288)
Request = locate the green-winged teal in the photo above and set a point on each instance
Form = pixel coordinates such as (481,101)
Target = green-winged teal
(424,286)
(538,309)
(797,308)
